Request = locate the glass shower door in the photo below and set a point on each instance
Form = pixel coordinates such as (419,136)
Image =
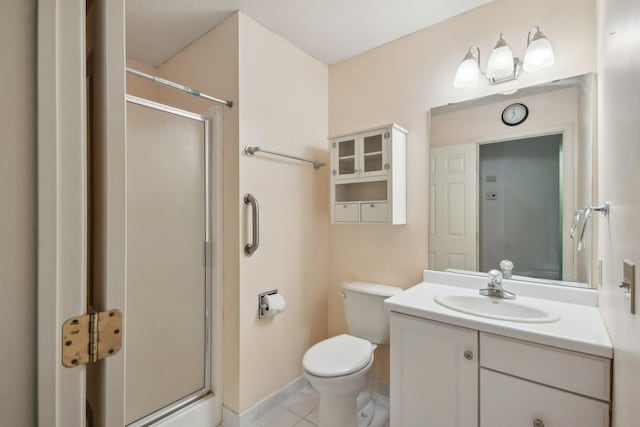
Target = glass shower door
(167,335)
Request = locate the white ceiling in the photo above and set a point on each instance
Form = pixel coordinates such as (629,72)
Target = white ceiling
(329,30)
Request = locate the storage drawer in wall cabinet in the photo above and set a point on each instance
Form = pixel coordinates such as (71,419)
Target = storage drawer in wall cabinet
(346,212)
(568,370)
(374,212)
(506,401)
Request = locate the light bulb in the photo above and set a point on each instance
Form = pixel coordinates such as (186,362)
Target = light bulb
(539,53)
(468,72)
(501,61)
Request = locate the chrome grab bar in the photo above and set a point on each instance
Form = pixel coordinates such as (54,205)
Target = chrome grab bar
(249,249)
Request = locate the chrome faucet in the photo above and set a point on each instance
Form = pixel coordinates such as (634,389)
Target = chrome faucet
(494,287)
(506,267)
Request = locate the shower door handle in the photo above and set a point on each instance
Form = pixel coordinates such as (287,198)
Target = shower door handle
(250,248)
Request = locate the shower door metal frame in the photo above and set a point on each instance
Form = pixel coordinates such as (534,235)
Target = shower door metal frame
(207,390)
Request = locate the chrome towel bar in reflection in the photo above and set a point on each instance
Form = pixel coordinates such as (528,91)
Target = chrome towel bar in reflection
(251,150)
(586,213)
(250,248)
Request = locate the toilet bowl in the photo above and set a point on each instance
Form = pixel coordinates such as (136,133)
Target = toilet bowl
(339,368)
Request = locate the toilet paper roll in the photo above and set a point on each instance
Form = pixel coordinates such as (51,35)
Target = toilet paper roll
(275,304)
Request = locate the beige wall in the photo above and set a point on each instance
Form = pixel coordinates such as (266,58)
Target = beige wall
(283,106)
(18,220)
(619,182)
(280,102)
(400,82)
(549,110)
(141,87)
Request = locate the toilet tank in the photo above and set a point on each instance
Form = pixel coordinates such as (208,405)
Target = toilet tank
(365,312)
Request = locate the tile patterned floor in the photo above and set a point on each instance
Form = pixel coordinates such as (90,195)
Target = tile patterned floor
(300,411)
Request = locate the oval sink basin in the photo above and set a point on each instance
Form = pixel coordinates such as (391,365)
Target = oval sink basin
(495,308)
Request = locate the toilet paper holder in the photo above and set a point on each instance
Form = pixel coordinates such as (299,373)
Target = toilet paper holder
(262,306)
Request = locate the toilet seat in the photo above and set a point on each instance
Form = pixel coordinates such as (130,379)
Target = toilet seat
(337,356)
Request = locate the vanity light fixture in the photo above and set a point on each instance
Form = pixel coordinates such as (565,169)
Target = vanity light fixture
(503,66)
(539,53)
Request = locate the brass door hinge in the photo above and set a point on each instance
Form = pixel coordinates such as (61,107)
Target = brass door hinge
(89,338)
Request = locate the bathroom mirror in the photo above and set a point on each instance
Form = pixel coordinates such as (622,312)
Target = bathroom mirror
(502,191)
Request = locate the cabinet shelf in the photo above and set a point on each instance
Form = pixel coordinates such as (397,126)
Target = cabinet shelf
(361,191)
(369,186)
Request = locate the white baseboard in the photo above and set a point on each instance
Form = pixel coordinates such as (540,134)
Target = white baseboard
(251,416)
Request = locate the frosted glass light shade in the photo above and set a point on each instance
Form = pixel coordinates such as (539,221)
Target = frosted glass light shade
(500,62)
(539,55)
(468,73)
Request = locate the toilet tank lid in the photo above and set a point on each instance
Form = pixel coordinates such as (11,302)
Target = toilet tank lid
(372,288)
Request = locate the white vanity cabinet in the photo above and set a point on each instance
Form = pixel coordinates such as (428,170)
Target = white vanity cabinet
(434,374)
(368,176)
(445,375)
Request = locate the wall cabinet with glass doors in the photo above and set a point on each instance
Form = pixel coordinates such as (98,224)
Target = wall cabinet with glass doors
(368,176)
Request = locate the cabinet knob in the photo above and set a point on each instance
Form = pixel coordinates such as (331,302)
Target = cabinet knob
(334,172)
(372,205)
(469,355)
(538,423)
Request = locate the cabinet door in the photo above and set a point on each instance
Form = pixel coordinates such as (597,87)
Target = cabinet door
(373,152)
(434,374)
(377,212)
(506,401)
(346,157)
(346,212)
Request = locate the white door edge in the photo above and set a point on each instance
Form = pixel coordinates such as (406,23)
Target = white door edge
(62,204)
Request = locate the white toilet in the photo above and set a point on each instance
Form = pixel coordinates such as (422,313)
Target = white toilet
(339,368)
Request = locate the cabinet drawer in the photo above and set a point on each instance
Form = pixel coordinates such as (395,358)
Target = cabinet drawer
(568,370)
(506,401)
(345,212)
(374,212)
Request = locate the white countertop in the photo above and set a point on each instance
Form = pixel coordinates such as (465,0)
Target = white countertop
(580,327)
